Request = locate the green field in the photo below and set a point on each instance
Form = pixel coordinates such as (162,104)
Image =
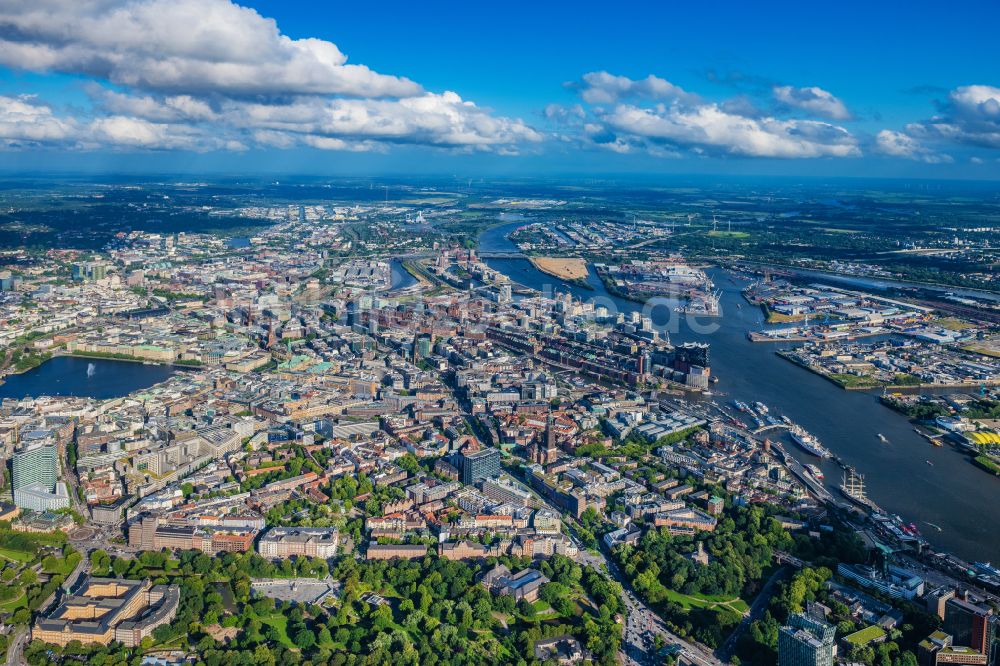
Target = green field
(986,463)
(689,601)
(279,622)
(16,555)
(20,601)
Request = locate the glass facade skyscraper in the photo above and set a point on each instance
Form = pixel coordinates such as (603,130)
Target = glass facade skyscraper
(805,641)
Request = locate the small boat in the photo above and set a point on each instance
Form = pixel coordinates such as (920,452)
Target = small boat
(929,463)
(882,438)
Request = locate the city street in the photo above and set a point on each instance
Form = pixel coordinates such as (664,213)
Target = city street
(757,609)
(15,652)
(641,623)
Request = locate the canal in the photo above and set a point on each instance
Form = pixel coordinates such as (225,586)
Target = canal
(932,487)
(84,377)
(401,277)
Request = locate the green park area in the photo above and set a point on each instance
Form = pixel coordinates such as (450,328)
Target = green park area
(279,623)
(16,555)
(708,601)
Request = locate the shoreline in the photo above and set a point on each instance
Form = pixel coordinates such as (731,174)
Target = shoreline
(613,289)
(425,281)
(882,488)
(880,386)
(10,371)
(756,336)
(935,285)
(173,364)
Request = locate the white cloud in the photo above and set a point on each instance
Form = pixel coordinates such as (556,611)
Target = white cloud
(655,116)
(982,102)
(900,144)
(813,100)
(566,115)
(24,122)
(709,127)
(129,132)
(157,109)
(971,116)
(605,88)
(443,120)
(188,46)
(212,75)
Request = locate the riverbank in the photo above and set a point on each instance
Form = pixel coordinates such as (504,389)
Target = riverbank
(612,288)
(986,464)
(847,422)
(131,359)
(861,383)
(772,317)
(22,363)
(428,282)
(887,281)
(756,336)
(937,437)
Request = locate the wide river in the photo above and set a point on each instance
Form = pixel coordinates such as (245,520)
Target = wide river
(950,493)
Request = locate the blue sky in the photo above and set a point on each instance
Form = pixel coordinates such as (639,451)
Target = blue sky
(880,89)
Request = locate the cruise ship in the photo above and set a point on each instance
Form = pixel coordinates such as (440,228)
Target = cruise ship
(810,444)
(815,471)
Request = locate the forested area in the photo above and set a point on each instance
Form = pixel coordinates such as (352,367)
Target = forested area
(431,611)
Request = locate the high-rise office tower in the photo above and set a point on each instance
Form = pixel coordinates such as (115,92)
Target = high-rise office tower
(969,625)
(805,641)
(36,463)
